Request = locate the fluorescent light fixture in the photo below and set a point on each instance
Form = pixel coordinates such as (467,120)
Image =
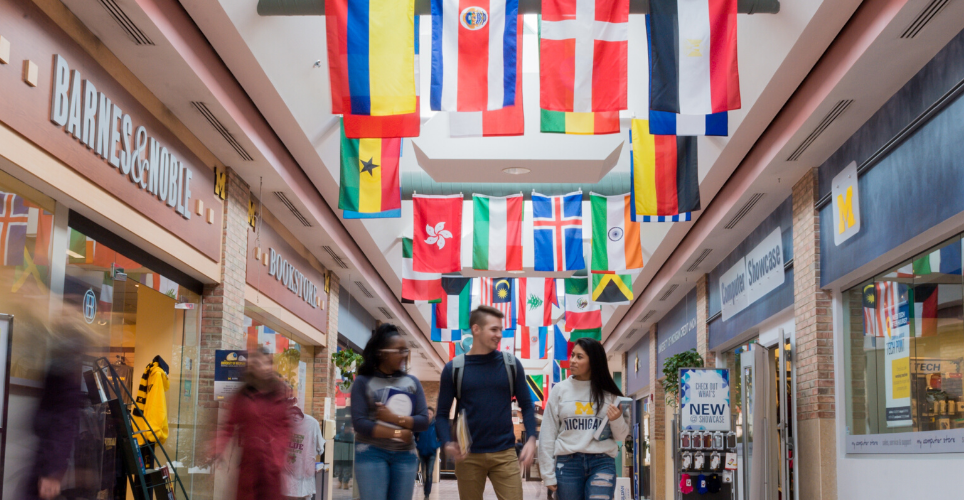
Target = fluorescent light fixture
(516,170)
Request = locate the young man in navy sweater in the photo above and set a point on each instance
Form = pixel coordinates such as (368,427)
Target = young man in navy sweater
(486,400)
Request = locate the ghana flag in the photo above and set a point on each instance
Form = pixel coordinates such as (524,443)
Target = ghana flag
(369,177)
(561,122)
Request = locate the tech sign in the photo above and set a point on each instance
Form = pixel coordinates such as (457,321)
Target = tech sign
(704,399)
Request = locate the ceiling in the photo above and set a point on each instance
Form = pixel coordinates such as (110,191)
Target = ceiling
(266,80)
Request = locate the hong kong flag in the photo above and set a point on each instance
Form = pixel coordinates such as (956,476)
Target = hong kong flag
(437,241)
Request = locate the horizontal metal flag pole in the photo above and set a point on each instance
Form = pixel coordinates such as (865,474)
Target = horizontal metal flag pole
(610,185)
(424,7)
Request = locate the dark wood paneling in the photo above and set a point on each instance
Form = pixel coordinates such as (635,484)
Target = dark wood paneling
(33,36)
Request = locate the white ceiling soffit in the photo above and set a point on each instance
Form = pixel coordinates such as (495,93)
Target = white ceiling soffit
(273,58)
(160,67)
(864,84)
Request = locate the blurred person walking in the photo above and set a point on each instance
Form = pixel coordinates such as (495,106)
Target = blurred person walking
(573,463)
(258,417)
(385,458)
(480,381)
(426,442)
(56,422)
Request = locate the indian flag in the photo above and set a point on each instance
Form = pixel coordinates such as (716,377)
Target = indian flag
(560,122)
(615,236)
(497,235)
(415,285)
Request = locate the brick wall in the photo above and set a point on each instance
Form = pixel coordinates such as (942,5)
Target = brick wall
(431,392)
(323,384)
(858,363)
(814,327)
(702,329)
(659,399)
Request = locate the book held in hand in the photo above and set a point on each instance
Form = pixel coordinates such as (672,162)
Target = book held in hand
(604,432)
(399,402)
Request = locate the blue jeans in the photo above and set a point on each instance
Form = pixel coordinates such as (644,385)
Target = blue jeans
(427,466)
(384,475)
(582,476)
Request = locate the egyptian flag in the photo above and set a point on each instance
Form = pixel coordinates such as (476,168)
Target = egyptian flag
(693,56)
(369,177)
(663,168)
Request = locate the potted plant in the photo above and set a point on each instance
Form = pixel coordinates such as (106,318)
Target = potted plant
(346,361)
(671,367)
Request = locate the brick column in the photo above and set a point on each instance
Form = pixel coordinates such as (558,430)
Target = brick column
(431,392)
(323,384)
(658,470)
(222,323)
(814,351)
(703,329)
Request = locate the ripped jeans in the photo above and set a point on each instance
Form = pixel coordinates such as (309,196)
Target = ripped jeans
(583,476)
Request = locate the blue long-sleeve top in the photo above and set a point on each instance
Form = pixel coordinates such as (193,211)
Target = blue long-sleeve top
(368,390)
(487,402)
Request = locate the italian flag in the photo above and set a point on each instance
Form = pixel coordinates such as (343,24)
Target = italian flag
(561,122)
(418,286)
(615,236)
(581,313)
(497,236)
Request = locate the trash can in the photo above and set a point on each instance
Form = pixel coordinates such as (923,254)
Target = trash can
(321,481)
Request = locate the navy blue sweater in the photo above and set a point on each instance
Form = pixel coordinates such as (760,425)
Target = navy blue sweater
(487,402)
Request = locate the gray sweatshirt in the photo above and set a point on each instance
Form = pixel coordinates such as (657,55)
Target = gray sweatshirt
(568,424)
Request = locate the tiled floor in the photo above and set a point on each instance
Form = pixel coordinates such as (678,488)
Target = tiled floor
(448,489)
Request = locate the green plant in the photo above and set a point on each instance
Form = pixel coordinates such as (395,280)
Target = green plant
(671,367)
(346,361)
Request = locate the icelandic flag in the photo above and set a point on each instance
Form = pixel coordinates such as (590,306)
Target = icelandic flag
(443,335)
(663,123)
(693,56)
(557,232)
(473,54)
(14,219)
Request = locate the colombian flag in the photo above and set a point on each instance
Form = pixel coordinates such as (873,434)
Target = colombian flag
(561,122)
(369,177)
(371,56)
(663,169)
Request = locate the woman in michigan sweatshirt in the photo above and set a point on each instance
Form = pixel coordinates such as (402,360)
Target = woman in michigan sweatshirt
(574,463)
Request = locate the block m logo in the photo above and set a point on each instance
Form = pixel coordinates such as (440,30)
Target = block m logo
(220,183)
(584,409)
(845,209)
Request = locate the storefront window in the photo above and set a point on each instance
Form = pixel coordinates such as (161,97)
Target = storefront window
(904,334)
(292,360)
(343,463)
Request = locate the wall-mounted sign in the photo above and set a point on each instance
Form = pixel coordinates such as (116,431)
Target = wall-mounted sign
(229,366)
(675,331)
(107,135)
(846,204)
(755,275)
(90,306)
(942,441)
(704,399)
(91,118)
(279,268)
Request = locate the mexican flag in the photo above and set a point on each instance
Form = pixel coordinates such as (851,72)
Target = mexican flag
(581,313)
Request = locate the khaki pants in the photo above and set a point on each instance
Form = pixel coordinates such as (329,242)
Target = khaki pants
(502,468)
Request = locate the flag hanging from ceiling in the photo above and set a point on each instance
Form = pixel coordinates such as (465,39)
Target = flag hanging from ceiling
(615,235)
(437,241)
(612,288)
(473,54)
(693,56)
(443,335)
(536,388)
(500,294)
(528,342)
(560,347)
(557,232)
(581,313)
(455,349)
(683,217)
(663,168)
(536,297)
(582,55)
(452,312)
(497,232)
(418,286)
(593,333)
(664,123)
(544,342)
(507,121)
(404,125)
(371,56)
(369,176)
(561,122)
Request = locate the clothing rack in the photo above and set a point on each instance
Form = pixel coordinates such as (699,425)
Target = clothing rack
(102,382)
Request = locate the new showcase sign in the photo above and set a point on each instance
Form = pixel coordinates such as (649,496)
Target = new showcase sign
(704,399)
(755,275)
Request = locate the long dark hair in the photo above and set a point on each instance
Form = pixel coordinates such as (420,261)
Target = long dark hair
(370,356)
(600,381)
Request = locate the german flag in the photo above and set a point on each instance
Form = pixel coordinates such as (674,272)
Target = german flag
(665,180)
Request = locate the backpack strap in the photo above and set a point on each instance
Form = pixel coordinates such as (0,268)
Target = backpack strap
(509,361)
(458,370)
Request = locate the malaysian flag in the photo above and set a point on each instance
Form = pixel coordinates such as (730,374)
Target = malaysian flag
(890,298)
(869,300)
(500,293)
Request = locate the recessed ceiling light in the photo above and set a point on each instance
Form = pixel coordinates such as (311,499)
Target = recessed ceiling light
(516,170)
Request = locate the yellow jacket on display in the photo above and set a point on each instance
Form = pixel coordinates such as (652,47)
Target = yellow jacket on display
(151,403)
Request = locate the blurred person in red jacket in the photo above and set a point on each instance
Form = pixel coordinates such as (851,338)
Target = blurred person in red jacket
(258,418)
